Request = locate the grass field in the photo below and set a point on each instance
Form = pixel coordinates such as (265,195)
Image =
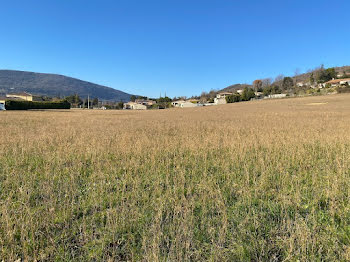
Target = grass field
(252,181)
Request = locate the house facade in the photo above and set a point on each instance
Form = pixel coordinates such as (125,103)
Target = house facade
(220,98)
(338,82)
(183,104)
(276,96)
(145,102)
(134,106)
(177,103)
(23,95)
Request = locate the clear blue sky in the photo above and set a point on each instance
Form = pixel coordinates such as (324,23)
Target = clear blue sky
(181,47)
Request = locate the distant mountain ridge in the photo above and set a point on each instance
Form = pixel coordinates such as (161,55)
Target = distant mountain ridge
(54,85)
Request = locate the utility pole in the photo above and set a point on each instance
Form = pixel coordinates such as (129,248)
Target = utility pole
(88,102)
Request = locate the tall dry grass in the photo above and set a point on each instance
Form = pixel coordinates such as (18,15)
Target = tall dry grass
(258,181)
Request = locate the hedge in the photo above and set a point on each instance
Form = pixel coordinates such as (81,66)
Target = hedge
(25,105)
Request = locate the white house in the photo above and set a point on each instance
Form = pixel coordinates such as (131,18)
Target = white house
(220,98)
(259,95)
(188,104)
(24,96)
(338,82)
(177,103)
(134,106)
(276,96)
(184,104)
(145,102)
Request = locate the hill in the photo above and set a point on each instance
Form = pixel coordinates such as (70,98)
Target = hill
(303,77)
(233,88)
(55,85)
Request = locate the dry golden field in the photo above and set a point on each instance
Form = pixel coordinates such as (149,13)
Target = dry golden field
(251,181)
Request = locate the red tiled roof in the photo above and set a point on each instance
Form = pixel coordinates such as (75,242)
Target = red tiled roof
(335,81)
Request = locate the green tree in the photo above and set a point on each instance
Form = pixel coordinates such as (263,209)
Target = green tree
(247,94)
(234,98)
(132,98)
(120,105)
(164,102)
(74,100)
(142,97)
(164,99)
(326,75)
(95,101)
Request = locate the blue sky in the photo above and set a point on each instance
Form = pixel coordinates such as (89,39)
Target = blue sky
(181,47)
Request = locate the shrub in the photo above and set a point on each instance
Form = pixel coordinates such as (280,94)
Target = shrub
(247,94)
(343,89)
(233,98)
(25,105)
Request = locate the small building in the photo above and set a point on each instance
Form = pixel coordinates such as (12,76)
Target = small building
(177,103)
(183,104)
(145,102)
(220,98)
(259,95)
(338,82)
(276,96)
(23,95)
(134,106)
(187,104)
(3,99)
(320,85)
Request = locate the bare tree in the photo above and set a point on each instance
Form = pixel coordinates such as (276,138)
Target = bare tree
(257,84)
(296,74)
(204,97)
(266,82)
(279,78)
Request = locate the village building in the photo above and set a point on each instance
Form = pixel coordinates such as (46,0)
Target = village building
(183,104)
(276,96)
(17,97)
(3,99)
(259,95)
(139,104)
(2,104)
(177,103)
(145,102)
(337,82)
(23,96)
(188,104)
(134,106)
(220,98)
